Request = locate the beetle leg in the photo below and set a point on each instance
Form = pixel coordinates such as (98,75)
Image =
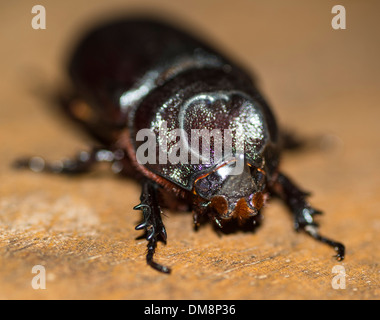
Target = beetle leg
(196,222)
(303,212)
(83,162)
(152,223)
(290,141)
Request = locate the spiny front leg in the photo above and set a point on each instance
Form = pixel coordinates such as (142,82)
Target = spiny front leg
(82,163)
(152,223)
(303,213)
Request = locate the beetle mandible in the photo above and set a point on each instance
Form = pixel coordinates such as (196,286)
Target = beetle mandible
(134,74)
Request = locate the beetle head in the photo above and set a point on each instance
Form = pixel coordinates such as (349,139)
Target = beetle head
(230,195)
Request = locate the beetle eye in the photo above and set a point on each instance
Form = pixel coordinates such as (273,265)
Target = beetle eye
(258,175)
(202,186)
(207,186)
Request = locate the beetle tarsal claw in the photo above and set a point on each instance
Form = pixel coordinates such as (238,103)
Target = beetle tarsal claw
(141,206)
(140,226)
(151,230)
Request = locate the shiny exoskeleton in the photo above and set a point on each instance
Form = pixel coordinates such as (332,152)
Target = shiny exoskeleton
(136,74)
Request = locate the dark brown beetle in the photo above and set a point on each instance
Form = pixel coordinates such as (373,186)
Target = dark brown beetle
(134,75)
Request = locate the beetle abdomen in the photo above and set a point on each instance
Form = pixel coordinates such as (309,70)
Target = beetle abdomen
(130,58)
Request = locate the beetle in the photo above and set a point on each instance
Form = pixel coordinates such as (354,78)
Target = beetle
(132,75)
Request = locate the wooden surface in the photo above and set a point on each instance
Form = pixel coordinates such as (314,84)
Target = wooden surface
(323,83)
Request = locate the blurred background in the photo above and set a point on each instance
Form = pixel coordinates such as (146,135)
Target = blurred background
(322,83)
